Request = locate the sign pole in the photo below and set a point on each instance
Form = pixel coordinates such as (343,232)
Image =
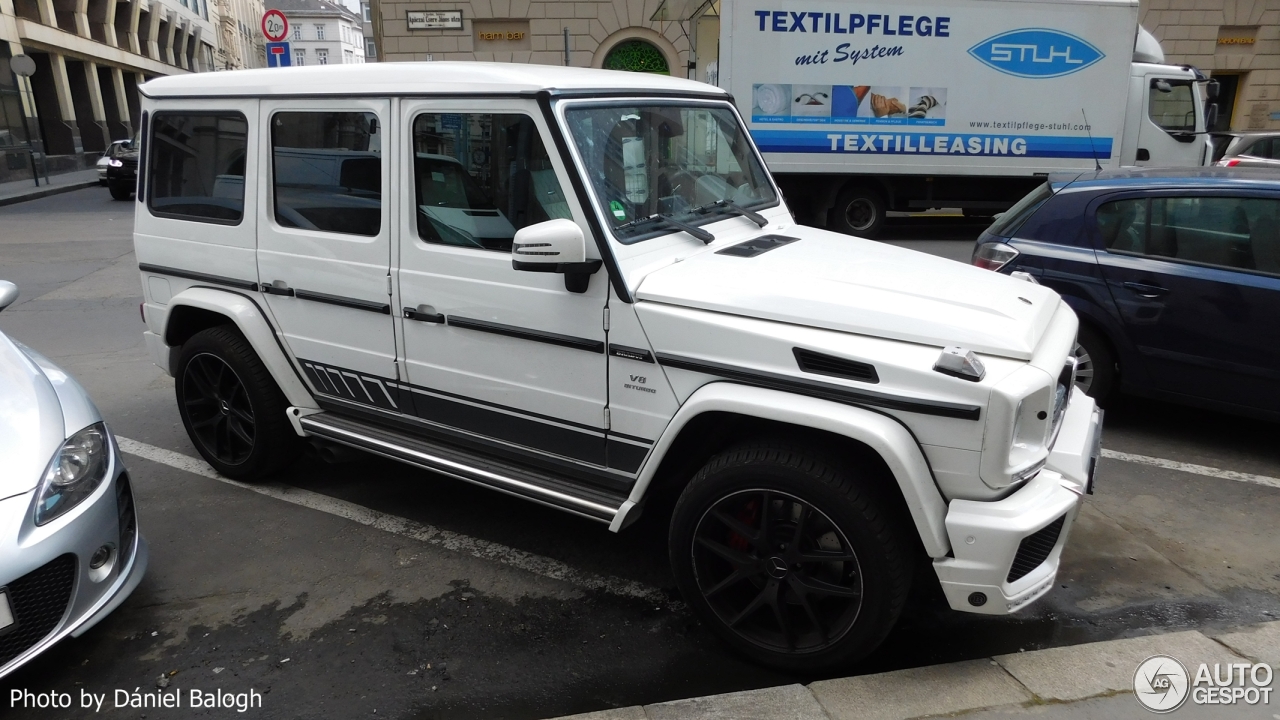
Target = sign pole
(24,67)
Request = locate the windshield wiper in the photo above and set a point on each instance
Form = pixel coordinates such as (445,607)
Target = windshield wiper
(697,232)
(751,215)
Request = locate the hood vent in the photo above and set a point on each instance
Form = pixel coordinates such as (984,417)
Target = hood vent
(819,364)
(756,246)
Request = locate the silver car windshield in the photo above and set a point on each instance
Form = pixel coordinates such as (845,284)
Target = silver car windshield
(691,163)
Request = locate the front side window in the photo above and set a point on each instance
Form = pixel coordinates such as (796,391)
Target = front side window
(327,171)
(683,161)
(1228,232)
(480,177)
(196,166)
(1172,106)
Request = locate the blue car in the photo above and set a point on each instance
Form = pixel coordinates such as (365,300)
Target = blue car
(1175,274)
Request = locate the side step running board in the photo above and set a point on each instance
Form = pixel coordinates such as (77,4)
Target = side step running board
(510,478)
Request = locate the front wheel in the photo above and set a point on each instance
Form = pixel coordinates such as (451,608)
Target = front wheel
(858,211)
(1095,364)
(120,190)
(231,407)
(789,557)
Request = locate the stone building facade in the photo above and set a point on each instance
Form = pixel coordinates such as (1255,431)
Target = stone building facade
(1235,41)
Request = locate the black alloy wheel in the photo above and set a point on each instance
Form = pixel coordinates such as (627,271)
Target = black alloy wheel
(778,571)
(219,408)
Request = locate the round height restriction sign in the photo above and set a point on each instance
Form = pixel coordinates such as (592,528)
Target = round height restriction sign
(274,25)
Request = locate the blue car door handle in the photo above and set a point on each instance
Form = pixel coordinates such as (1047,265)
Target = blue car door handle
(1146,291)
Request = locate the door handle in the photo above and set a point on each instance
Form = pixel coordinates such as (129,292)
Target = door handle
(279,287)
(1146,291)
(414,314)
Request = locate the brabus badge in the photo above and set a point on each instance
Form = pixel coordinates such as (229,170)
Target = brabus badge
(1036,53)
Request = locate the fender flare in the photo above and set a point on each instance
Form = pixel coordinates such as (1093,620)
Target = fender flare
(255,327)
(883,434)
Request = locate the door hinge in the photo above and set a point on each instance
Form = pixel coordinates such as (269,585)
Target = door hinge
(607,425)
(606,318)
(388,284)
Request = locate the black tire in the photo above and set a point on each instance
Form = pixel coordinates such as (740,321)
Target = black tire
(1095,364)
(120,190)
(231,407)
(815,613)
(858,211)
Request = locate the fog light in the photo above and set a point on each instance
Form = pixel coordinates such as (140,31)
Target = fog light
(100,557)
(977,599)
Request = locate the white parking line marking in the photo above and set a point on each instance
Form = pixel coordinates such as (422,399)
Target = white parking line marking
(1192,468)
(529,562)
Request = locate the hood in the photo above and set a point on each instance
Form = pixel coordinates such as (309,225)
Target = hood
(31,422)
(860,286)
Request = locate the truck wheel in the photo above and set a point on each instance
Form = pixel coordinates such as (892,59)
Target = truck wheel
(231,407)
(119,190)
(858,211)
(1095,364)
(789,557)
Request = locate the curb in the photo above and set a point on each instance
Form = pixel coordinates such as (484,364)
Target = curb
(46,191)
(1025,681)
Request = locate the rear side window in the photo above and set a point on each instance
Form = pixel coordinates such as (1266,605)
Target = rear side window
(1013,218)
(1227,232)
(327,171)
(196,165)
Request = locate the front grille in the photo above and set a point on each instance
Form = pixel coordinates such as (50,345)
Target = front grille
(1034,549)
(39,600)
(128,520)
(815,362)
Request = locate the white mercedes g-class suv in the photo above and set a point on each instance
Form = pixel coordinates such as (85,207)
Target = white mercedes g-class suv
(581,287)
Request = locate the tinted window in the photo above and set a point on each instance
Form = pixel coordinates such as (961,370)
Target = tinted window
(327,171)
(1174,108)
(1013,218)
(1238,233)
(197,166)
(1262,148)
(480,177)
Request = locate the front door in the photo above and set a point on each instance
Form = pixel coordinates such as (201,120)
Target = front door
(1167,131)
(508,358)
(324,243)
(1197,283)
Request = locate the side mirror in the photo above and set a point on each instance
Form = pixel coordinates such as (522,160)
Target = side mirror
(1163,86)
(1211,117)
(1212,88)
(555,246)
(8,293)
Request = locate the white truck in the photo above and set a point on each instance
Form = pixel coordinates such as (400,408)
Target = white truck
(956,103)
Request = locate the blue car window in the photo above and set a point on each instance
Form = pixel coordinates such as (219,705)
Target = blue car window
(1123,225)
(1227,232)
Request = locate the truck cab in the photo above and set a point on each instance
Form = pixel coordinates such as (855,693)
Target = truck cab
(584,288)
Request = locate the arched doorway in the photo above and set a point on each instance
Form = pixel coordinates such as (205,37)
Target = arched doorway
(636,56)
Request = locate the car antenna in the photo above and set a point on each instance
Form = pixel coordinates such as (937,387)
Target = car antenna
(1097,166)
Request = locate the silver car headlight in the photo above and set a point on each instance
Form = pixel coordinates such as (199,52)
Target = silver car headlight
(77,469)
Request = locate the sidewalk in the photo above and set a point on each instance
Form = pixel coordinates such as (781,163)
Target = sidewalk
(21,190)
(1094,680)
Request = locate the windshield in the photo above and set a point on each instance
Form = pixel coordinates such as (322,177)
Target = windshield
(676,160)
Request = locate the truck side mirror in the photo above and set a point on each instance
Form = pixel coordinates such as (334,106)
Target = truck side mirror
(8,293)
(1212,88)
(1211,117)
(555,246)
(1163,86)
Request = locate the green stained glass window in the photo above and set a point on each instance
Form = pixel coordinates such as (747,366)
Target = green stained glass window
(636,56)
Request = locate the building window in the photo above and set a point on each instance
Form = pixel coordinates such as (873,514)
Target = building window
(299,57)
(370,49)
(327,171)
(364,12)
(297,32)
(197,166)
(322,57)
(636,56)
(319,32)
(348,57)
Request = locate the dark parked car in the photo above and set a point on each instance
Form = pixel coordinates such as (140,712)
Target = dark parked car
(1175,275)
(122,173)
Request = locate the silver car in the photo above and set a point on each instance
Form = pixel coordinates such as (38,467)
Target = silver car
(1247,149)
(70,550)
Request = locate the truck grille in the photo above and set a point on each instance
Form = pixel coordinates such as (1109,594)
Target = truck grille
(128,520)
(39,600)
(1034,549)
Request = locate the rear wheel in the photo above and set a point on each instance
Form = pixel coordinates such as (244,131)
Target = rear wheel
(790,558)
(1095,364)
(858,211)
(231,407)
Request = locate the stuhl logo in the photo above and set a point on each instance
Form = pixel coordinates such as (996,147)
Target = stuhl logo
(1036,53)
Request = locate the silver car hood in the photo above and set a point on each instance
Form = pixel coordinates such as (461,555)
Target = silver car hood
(32,426)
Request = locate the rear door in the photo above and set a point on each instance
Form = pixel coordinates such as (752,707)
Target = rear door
(1197,282)
(324,242)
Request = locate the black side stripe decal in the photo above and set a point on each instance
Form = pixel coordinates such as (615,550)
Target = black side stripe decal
(363,389)
(822,390)
(381,308)
(596,346)
(202,277)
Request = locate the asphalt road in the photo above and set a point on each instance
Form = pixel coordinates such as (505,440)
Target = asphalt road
(370,589)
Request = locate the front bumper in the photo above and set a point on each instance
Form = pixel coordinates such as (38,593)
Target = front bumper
(45,570)
(1005,554)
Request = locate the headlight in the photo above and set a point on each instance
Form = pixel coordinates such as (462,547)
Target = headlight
(115,163)
(77,469)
